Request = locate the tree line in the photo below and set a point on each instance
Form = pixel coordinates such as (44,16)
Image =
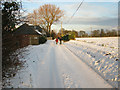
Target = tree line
(100,33)
(94,33)
(72,34)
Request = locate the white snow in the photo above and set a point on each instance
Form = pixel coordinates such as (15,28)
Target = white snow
(38,32)
(55,66)
(99,53)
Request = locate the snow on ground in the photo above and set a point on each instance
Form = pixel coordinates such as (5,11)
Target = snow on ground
(55,66)
(99,53)
(111,42)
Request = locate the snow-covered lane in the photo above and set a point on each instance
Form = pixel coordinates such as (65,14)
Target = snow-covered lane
(54,66)
(46,74)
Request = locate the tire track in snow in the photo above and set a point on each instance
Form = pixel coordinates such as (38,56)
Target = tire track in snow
(55,81)
(67,79)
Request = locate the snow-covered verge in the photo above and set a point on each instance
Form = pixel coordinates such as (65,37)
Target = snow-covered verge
(27,76)
(17,59)
(99,53)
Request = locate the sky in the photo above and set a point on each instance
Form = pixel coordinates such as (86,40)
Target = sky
(90,16)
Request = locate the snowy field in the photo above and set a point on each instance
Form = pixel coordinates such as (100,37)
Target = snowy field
(99,53)
(58,66)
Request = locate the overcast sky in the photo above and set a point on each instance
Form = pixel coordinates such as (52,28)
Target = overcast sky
(91,15)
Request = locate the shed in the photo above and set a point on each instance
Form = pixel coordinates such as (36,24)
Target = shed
(27,35)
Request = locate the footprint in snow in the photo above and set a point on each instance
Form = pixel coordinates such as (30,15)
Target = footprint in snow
(68,82)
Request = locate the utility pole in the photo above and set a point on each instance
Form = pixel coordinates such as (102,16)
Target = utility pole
(61,29)
(91,28)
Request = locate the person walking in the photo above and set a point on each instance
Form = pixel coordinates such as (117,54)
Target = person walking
(60,40)
(56,40)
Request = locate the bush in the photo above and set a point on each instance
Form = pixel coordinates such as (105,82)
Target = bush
(72,35)
(42,39)
(66,38)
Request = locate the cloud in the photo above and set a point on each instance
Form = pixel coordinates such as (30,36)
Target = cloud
(95,21)
(104,14)
(92,9)
(79,27)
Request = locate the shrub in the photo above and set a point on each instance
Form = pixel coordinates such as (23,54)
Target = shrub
(66,38)
(72,35)
(42,39)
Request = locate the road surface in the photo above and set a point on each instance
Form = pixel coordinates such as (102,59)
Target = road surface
(54,66)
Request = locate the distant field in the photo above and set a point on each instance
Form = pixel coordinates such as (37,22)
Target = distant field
(111,42)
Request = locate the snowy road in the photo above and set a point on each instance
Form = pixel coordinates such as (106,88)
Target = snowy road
(54,66)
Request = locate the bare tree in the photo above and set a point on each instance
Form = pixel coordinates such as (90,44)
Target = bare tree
(46,15)
(33,18)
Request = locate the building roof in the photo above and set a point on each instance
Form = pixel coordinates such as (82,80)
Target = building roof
(37,28)
(26,29)
(38,32)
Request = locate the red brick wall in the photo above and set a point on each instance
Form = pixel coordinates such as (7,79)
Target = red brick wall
(23,40)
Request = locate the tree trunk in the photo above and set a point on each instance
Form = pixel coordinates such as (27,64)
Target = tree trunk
(47,28)
(50,30)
